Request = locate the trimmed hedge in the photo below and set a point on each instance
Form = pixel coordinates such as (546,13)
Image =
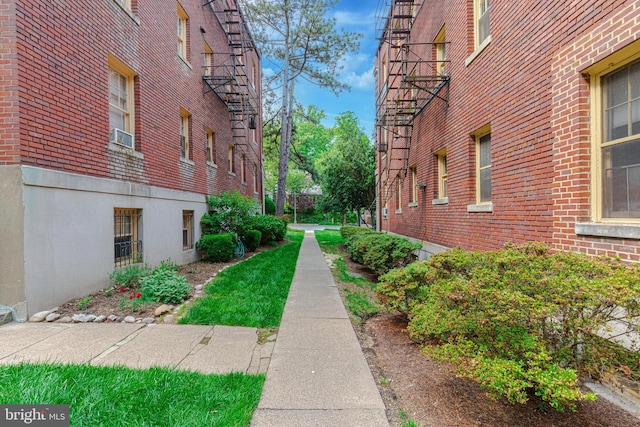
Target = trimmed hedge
(381,252)
(251,239)
(217,247)
(273,229)
(349,230)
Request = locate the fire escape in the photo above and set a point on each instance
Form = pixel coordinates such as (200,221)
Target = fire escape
(411,74)
(227,76)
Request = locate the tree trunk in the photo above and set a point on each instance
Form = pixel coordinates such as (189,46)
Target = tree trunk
(285,133)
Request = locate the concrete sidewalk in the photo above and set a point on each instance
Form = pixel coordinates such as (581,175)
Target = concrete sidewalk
(318,375)
(205,349)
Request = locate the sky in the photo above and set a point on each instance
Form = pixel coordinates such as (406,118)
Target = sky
(356,16)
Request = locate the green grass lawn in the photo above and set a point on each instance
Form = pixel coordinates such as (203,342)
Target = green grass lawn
(119,396)
(252,293)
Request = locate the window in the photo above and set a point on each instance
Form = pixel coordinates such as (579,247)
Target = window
(481,21)
(243,169)
(230,156)
(442,173)
(127,242)
(183,24)
(184,135)
(398,194)
(413,201)
(254,169)
(384,70)
(187,230)
(619,147)
(253,73)
(211,146)
(483,167)
(208,59)
(441,52)
(121,103)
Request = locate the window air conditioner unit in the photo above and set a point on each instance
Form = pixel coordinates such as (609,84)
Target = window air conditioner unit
(121,137)
(385,211)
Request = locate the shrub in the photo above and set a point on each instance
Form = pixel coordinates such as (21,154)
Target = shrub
(252,239)
(269,206)
(273,229)
(217,247)
(165,285)
(228,213)
(522,319)
(349,230)
(381,252)
(130,276)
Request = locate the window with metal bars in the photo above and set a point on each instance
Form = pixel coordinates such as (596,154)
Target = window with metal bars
(127,240)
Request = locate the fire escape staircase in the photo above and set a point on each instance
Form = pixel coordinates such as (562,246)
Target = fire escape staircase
(412,78)
(227,76)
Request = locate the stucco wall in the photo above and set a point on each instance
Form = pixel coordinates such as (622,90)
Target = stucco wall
(69,231)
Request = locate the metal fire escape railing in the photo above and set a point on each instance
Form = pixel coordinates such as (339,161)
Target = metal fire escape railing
(410,76)
(227,76)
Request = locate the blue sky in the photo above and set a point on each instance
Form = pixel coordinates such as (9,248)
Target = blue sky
(357,16)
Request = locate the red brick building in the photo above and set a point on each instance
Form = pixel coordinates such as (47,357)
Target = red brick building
(117,118)
(500,123)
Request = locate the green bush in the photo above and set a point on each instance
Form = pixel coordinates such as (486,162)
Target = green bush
(165,285)
(130,276)
(228,213)
(217,247)
(273,229)
(252,239)
(381,252)
(522,319)
(349,230)
(269,206)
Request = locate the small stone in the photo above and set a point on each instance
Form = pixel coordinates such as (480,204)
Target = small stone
(168,319)
(129,319)
(100,319)
(119,319)
(65,319)
(79,318)
(52,317)
(148,320)
(90,317)
(112,317)
(40,316)
(162,310)
(199,287)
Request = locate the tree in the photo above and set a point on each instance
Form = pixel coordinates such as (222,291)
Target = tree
(347,169)
(297,37)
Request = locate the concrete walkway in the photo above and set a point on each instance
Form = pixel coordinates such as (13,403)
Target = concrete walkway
(318,375)
(206,349)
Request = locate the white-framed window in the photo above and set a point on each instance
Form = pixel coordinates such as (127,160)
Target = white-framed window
(121,103)
(481,21)
(127,239)
(230,158)
(442,174)
(483,165)
(617,141)
(441,52)
(185,143)
(243,169)
(182,32)
(398,193)
(211,146)
(254,170)
(208,60)
(413,200)
(187,230)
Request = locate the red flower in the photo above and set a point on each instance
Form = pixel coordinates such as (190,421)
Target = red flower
(138,295)
(131,296)
(122,289)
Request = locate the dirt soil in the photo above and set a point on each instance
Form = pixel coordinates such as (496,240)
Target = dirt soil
(415,387)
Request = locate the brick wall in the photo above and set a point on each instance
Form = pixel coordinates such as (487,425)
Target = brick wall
(63,85)
(527,84)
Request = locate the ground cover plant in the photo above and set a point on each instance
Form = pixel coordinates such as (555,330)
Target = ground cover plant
(521,320)
(252,293)
(359,293)
(119,396)
(380,252)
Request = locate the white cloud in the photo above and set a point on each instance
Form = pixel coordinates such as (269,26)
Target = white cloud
(362,81)
(353,19)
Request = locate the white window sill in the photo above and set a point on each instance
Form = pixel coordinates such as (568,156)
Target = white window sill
(621,231)
(125,150)
(187,161)
(188,250)
(232,173)
(483,207)
(128,12)
(478,51)
(413,204)
(213,165)
(443,201)
(399,211)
